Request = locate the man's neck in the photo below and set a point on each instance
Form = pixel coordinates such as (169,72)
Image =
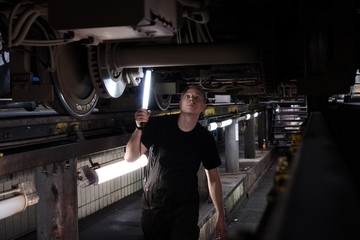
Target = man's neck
(187,122)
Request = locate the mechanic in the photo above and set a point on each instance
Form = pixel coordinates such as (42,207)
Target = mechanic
(177,145)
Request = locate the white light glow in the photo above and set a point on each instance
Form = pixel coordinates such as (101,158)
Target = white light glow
(11,206)
(146,93)
(118,169)
(256,114)
(225,123)
(248,116)
(241,118)
(236,132)
(212,126)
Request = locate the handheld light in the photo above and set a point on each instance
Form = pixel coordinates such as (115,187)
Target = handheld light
(146,93)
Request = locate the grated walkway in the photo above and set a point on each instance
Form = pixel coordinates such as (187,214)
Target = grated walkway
(248,217)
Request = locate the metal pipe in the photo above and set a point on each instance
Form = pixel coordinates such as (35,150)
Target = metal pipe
(10,192)
(185,55)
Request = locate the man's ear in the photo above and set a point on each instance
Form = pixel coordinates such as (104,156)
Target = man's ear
(204,107)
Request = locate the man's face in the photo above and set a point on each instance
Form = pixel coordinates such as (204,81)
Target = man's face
(192,101)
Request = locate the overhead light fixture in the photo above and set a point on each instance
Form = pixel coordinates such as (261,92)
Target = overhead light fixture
(256,114)
(146,93)
(88,176)
(248,116)
(24,195)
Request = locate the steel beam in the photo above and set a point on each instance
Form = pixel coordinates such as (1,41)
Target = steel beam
(60,152)
(186,55)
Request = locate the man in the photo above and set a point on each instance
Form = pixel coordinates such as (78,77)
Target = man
(177,145)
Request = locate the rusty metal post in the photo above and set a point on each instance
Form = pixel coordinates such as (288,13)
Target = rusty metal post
(56,211)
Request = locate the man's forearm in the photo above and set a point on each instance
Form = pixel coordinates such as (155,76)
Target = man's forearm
(216,195)
(215,189)
(133,146)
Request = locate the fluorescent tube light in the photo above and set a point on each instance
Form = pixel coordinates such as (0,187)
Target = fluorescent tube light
(25,195)
(118,169)
(212,126)
(146,93)
(225,123)
(242,118)
(11,206)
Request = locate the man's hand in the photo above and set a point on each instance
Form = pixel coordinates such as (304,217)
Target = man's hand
(133,151)
(142,116)
(220,228)
(215,189)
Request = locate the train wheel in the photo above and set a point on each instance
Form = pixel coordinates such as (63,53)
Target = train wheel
(73,87)
(108,80)
(65,68)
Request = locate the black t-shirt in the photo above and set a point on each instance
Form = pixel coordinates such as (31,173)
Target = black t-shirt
(175,156)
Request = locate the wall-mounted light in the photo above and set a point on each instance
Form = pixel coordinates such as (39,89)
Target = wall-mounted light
(212,126)
(24,195)
(88,176)
(242,118)
(225,123)
(118,169)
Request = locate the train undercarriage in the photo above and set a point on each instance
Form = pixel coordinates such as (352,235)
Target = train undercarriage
(74,69)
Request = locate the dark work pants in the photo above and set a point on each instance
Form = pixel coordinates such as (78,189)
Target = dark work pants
(177,222)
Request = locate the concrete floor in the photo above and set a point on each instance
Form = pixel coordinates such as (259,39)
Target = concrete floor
(120,220)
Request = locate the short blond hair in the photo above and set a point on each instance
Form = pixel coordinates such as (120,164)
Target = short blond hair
(195,87)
